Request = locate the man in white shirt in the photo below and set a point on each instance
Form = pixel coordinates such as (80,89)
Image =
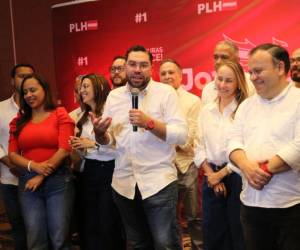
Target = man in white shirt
(145,177)
(9,180)
(117,72)
(295,67)
(265,145)
(170,73)
(224,50)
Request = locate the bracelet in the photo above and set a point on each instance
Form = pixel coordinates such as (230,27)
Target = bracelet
(264,167)
(29,166)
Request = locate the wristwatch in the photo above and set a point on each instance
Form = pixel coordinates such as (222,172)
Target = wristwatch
(150,125)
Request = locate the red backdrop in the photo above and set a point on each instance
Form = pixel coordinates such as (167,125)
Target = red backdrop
(88,35)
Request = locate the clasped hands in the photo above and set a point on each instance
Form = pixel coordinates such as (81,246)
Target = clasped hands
(43,169)
(256,176)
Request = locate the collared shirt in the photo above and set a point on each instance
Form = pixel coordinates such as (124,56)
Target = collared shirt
(210,93)
(213,129)
(190,106)
(76,114)
(141,157)
(100,154)
(265,128)
(8,110)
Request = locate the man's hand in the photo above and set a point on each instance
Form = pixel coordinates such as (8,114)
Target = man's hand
(257,178)
(100,125)
(138,118)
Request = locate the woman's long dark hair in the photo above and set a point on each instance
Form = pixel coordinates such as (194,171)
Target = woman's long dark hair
(25,110)
(101,90)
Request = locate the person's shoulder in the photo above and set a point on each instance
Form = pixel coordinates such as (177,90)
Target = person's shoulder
(161,90)
(62,114)
(61,110)
(5,102)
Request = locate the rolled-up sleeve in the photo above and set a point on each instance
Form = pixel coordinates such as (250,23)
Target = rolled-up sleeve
(200,152)
(176,126)
(291,152)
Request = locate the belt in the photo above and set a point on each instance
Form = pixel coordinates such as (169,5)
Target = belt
(217,168)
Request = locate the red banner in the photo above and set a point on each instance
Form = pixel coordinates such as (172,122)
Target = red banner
(88,35)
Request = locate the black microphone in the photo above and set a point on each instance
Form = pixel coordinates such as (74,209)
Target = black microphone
(135,103)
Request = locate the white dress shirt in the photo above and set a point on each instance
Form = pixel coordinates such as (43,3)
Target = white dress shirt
(190,105)
(76,114)
(210,93)
(100,154)
(214,127)
(141,157)
(8,111)
(265,128)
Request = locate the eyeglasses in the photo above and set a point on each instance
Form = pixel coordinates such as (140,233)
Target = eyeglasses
(141,65)
(295,60)
(116,69)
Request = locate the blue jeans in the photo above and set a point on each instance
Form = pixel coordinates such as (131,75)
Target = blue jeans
(13,210)
(221,216)
(151,223)
(47,211)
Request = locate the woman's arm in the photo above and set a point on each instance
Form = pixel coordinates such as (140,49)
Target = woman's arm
(43,168)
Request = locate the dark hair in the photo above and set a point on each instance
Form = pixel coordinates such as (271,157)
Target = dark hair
(25,110)
(170,61)
(118,57)
(277,52)
(101,90)
(19,65)
(137,48)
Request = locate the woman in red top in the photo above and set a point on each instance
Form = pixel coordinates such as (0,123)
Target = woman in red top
(39,144)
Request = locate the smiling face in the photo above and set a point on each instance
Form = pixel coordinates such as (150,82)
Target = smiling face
(226,82)
(34,94)
(87,92)
(138,69)
(117,72)
(265,74)
(170,74)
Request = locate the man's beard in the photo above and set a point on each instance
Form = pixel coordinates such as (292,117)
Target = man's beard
(141,86)
(295,77)
(119,84)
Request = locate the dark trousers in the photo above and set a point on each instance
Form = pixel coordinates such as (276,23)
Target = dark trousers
(101,223)
(271,228)
(151,223)
(14,213)
(221,216)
